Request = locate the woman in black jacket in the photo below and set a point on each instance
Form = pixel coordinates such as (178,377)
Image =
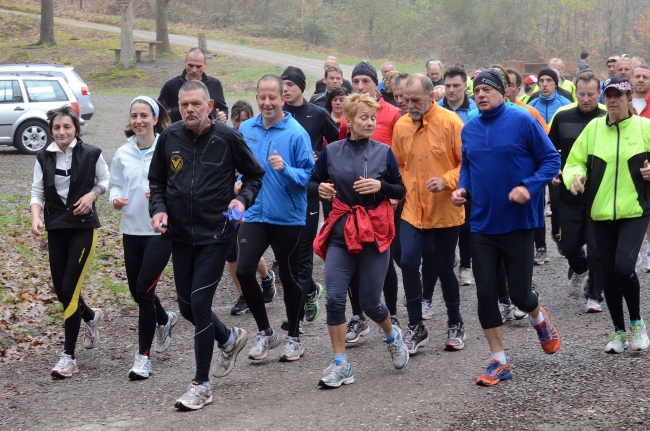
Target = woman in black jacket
(69,176)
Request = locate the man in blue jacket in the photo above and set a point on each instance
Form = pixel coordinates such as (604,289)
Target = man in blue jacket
(549,100)
(507,161)
(283,148)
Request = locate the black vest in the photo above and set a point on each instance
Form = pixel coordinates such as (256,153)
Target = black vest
(58,215)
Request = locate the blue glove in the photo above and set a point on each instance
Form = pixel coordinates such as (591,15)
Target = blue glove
(234,215)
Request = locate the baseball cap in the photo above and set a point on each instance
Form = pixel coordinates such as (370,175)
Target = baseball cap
(620,83)
(530,79)
(477,71)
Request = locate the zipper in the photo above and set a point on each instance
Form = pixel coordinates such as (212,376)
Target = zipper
(268,149)
(618,145)
(192,194)
(290,197)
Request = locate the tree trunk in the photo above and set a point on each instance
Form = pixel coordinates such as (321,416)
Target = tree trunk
(162,32)
(127,55)
(203,43)
(47,23)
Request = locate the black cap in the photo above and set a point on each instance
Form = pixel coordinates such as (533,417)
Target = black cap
(296,76)
(549,72)
(583,55)
(620,83)
(367,69)
(491,77)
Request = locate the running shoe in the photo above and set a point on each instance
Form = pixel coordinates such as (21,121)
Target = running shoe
(395,322)
(356,329)
(399,353)
(312,308)
(510,312)
(557,239)
(617,342)
(226,358)
(285,327)
(293,349)
(577,283)
(541,257)
(639,339)
(195,398)
(465,276)
(164,333)
(66,367)
(415,338)
(91,332)
(427,310)
(455,337)
(593,306)
(240,307)
(268,287)
(263,343)
(335,375)
(141,367)
(494,373)
(639,259)
(548,336)
(275,268)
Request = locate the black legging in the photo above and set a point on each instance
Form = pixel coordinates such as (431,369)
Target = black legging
(70,252)
(197,272)
(145,258)
(254,239)
(306,265)
(619,242)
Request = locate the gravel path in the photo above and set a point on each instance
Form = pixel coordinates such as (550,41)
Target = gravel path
(579,388)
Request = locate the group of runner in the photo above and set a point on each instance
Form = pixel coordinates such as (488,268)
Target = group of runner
(405,169)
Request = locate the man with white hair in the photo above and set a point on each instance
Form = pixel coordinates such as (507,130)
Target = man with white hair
(385,68)
(567,85)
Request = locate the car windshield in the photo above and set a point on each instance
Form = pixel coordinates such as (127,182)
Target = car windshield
(45,91)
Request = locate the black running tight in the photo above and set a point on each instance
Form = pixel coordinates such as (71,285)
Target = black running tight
(145,258)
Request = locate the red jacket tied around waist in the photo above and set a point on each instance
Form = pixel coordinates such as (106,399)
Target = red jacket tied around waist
(373,225)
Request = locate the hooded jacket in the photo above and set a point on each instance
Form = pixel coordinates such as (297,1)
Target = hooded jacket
(611,155)
(129,179)
(282,200)
(192,179)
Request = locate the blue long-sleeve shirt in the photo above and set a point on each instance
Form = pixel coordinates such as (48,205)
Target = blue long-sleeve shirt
(502,149)
(282,200)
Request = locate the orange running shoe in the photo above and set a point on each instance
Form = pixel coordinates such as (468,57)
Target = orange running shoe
(494,373)
(548,335)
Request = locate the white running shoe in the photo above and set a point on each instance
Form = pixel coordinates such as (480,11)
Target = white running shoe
(427,310)
(335,375)
(639,337)
(164,333)
(226,358)
(141,368)
(465,276)
(195,398)
(91,333)
(263,343)
(356,328)
(293,350)
(593,306)
(66,367)
(617,343)
(577,283)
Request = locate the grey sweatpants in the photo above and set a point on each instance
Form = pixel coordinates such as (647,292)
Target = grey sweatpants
(339,266)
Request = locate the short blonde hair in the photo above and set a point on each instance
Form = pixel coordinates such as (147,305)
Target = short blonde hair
(356,102)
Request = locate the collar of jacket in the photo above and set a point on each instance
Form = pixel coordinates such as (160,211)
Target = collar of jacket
(463,106)
(204,77)
(207,129)
(493,114)
(292,109)
(619,123)
(133,140)
(548,98)
(53,147)
(282,124)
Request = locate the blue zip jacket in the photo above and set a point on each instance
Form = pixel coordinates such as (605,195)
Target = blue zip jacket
(548,106)
(464,109)
(502,149)
(282,200)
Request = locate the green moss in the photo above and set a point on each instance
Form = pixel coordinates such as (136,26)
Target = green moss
(115,76)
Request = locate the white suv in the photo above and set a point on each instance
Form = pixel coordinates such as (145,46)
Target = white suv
(24,102)
(76,83)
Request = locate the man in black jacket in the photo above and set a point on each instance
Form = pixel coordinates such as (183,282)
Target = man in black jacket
(319,125)
(320,85)
(575,224)
(195,65)
(192,178)
(333,79)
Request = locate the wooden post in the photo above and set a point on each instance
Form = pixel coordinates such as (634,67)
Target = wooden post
(127,54)
(203,44)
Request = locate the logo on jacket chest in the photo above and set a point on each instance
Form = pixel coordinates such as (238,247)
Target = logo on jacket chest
(176,163)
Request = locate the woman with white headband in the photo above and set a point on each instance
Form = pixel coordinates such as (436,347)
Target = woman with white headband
(145,253)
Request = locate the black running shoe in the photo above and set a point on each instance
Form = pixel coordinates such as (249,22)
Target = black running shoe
(240,307)
(268,287)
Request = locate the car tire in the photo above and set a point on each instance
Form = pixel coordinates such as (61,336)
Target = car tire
(31,137)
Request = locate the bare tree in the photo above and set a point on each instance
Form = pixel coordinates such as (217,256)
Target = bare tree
(47,23)
(162,32)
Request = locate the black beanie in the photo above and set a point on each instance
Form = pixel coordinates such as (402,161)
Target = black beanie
(491,77)
(296,76)
(365,68)
(549,72)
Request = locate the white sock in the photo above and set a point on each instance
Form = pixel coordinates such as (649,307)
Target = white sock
(540,319)
(499,356)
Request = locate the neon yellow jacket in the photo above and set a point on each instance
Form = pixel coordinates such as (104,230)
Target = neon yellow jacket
(568,86)
(611,155)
